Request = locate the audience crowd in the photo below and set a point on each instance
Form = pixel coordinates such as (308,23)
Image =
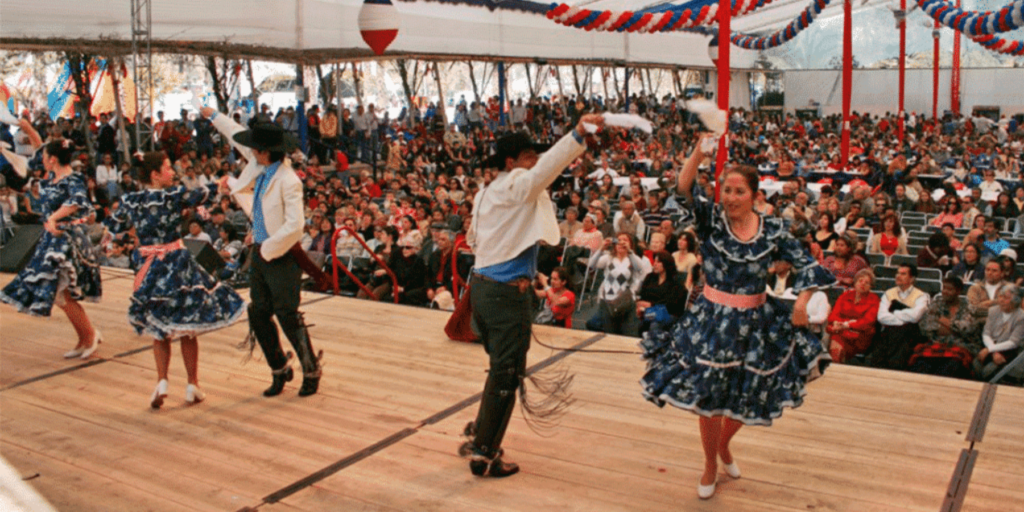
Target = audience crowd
(923,235)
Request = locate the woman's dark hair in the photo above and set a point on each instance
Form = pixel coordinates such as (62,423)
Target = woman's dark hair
(977,250)
(953,201)
(748,173)
(63,149)
(938,241)
(230,230)
(831,221)
(148,163)
(691,242)
(668,262)
(563,274)
(896,229)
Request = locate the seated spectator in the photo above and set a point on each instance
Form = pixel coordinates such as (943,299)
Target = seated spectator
(317,238)
(888,237)
(953,335)
(589,236)
(852,323)
(195,232)
(559,300)
(982,295)
(1005,207)
(568,228)
(993,244)
(440,275)
(900,312)
(826,235)
(662,298)
(656,244)
(628,220)
(686,255)
(951,213)
(950,232)
(349,243)
(409,234)
(1008,260)
(228,245)
(845,262)
(970,268)
(410,272)
(780,279)
(601,221)
(1003,334)
(117,257)
(936,254)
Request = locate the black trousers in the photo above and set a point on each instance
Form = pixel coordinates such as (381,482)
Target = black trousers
(274,291)
(502,316)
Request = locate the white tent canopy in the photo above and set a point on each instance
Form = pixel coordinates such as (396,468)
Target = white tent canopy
(327,30)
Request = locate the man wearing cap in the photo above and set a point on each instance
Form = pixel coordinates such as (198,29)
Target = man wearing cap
(271,193)
(510,217)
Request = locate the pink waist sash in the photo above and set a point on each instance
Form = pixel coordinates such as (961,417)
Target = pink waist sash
(152,252)
(733,300)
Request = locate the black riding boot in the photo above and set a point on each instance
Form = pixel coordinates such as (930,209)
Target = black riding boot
(295,330)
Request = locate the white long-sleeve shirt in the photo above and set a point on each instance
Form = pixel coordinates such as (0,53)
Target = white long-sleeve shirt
(1003,331)
(105,174)
(515,212)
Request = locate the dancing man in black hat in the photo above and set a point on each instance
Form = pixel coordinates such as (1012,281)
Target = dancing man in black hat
(511,216)
(270,192)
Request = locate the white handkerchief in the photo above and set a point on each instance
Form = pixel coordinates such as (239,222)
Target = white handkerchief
(6,117)
(709,113)
(622,121)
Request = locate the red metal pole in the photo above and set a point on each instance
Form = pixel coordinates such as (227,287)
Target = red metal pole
(724,18)
(903,67)
(935,79)
(847,78)
(954,102)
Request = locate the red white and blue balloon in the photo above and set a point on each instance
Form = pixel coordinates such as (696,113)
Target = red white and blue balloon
(378,24)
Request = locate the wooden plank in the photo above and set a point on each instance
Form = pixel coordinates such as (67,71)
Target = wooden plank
(998,480)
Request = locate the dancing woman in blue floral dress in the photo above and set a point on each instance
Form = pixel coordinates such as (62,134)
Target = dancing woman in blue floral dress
(63,270)
(737,356)
(174,297)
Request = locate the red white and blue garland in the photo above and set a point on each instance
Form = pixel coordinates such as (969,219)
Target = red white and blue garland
(975,23)
(677,17)
(996,44)
(784,35)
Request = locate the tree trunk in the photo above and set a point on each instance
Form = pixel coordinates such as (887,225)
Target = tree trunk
(220,82)
(115,77)
(325,87)
(615,82)
(79,65)
(529,82)
(472,81)
(576,81)
(604,82)
(441,104)
(558,76)
(358,86)
(407,88)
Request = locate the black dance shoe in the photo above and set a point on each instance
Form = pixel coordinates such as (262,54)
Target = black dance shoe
(280,378)
(309,386)
(495,468)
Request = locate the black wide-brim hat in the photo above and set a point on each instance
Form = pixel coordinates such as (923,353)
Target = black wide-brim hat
(510,146)
(267,137)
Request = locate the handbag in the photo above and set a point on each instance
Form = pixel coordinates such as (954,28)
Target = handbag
(459,326)
(622,304)
(545,317)
(658,313)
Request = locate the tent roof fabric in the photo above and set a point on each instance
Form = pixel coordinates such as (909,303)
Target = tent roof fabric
(317,31)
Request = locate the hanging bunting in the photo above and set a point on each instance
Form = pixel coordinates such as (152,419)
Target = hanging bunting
(975,23)
(996,44)
(801,22)
(665,19)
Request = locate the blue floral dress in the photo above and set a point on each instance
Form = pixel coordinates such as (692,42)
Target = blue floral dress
(173,295)
(60,262)
(743,363)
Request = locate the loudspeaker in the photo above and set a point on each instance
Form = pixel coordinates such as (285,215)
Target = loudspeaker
(14,255)
(206,256)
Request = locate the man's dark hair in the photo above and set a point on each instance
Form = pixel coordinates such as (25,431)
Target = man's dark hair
(912,268)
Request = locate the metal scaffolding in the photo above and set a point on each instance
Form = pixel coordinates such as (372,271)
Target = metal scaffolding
(142,71)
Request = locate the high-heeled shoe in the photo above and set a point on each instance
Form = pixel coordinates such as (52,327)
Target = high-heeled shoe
(159,394)
(194,395)
(73,353)
(706,491)
(97,338)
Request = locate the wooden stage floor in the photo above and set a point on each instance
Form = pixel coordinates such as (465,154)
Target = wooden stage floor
(383,431)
